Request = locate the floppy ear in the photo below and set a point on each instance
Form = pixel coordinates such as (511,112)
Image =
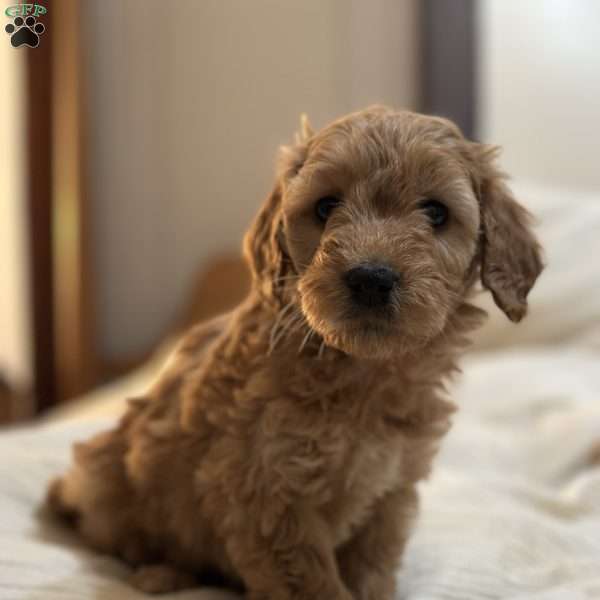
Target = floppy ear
(262,243)
(510,254)
(265,247)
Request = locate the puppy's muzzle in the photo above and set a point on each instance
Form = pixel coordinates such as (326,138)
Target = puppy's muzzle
(371,285)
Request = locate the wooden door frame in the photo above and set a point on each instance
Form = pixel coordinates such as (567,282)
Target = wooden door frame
(64,349)
(38,102)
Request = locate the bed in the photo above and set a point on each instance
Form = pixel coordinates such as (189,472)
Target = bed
(513,507)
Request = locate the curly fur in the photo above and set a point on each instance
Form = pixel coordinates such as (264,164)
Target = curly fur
(282,447)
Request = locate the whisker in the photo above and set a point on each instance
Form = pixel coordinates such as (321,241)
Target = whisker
(288,326)
(294,323)
(305,340)
(277,323)
(286,278)
(321,350)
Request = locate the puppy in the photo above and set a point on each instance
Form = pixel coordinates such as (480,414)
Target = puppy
(282,447)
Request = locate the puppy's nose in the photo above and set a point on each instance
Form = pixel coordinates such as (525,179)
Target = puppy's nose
(371,284)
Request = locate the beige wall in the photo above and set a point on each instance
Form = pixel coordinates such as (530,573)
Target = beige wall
(187,108)
(15,358)
(540,88)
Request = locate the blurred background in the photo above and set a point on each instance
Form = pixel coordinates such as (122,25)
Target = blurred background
(138,140)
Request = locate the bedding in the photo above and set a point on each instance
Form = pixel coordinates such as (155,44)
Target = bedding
(513,507)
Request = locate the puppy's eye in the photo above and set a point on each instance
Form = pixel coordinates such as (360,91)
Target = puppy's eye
(324,207)
(436,212)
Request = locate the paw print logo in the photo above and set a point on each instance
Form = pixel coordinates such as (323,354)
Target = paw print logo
(25,32)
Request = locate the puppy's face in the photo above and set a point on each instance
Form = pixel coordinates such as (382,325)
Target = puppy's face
(383,218)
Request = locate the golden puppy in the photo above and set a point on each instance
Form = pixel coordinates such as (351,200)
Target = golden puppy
(282,448)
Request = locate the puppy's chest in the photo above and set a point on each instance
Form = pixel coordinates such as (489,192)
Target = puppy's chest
(337,464)
(362,451)
(372,468)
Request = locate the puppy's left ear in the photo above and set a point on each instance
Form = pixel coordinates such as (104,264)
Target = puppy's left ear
(265,247)
(510,254)
(262,248)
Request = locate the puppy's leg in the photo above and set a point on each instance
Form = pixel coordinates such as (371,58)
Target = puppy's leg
(369,561)
(96,497)
(291,558)
(56,501)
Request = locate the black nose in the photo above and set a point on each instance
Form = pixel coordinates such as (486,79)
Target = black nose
(371,284)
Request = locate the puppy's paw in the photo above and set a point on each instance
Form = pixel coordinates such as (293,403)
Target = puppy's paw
(55,500)
(161,579)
